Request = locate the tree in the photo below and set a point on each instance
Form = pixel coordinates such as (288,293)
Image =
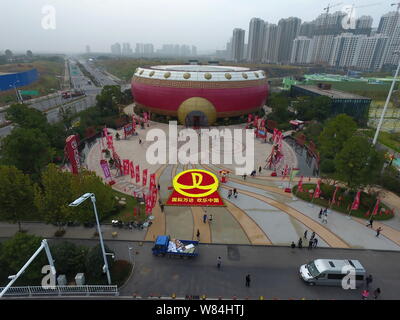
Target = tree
(16,195)
(53,197)
(25,117)
(336,132)
(69,258)
(27,149)
(29,53)
(108,100)
(94,264)
(358,163)
(88,181)
(8,53)
(16,251)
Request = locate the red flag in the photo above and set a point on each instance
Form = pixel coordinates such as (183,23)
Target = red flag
(135,211)
(144,177)
(317,192)
(126,166)
(367,214)
(378,201)
(334,195)
(249,118)
(137,174)
(300,184)
(152,181)
(132,169)
(356,202)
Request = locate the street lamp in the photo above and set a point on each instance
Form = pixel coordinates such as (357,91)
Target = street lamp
(130,254)
(387,101)
(92,197)
(19,98)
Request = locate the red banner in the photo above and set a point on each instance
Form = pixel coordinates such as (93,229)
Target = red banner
(300,184)
(71,148)
(334,195)
(117,162)
(126,167)
(317,192)
(356,202)
(144,177)
(137,169)
(263,123)
(152,180)
(132,169)
(249,118)
(374,213)
(129,130)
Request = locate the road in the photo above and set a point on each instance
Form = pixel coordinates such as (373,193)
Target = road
(50,104)
(273,270)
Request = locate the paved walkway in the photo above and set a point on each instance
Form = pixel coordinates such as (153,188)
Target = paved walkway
(263,214)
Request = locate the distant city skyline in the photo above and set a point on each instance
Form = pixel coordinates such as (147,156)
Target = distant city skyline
(205,24)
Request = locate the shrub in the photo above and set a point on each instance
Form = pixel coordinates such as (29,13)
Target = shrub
(59,233)
(120,272)
(94,265)
(69,258)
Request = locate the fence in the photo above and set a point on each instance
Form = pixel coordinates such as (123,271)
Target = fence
(62,291)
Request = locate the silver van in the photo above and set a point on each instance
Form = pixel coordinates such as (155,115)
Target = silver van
(330,272)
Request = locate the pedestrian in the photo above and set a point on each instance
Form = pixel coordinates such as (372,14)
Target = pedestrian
(377,292)
(198,234)
(325,219)
(365,294)
(248,280)
(369,280)
(300,243)
(219,261)
(312,236)
(305,234)
(326,211)
(158,187)
(235,193)
(259,170)
(140,141)
(244,176)
(229,193)
(315,242)
(210,218)
(320,213)
(378,231)
(162,207)
(293,245)
(310,244)
(205,218)
(371,221)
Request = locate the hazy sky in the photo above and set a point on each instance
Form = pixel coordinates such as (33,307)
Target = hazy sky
(208,24)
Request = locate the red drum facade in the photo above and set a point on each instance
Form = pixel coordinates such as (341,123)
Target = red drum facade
(233,91)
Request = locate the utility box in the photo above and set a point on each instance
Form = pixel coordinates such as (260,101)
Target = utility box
(62,280)
(80,279)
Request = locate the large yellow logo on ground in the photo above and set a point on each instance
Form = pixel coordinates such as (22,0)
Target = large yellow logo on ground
(195,187)
(195,179)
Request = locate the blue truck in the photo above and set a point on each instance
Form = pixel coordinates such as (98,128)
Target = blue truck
(165,246)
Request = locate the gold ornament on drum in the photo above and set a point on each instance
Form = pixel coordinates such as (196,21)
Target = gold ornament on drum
(208,76)
(228,76)
(186,75)
(167,75)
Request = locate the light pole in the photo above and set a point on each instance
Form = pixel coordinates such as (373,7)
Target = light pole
(130,254)
(19,98)
(387,102)
(92,197)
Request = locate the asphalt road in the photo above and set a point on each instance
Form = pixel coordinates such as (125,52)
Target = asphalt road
(273,270)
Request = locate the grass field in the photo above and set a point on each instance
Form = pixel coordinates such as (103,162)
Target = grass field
(390,140)
(48,70)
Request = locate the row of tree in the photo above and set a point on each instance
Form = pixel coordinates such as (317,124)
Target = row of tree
(70,259)
(48,200)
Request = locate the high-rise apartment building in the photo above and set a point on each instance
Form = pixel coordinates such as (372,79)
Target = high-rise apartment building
(126,49)
(270,52)
(288,30)
(256,40)
(321,49)
(116,49)
(346,50)
(301,50)
(194,51)
(238,45)
(372,51)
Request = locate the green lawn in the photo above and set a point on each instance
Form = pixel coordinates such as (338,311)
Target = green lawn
(367,202)
(126,214)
